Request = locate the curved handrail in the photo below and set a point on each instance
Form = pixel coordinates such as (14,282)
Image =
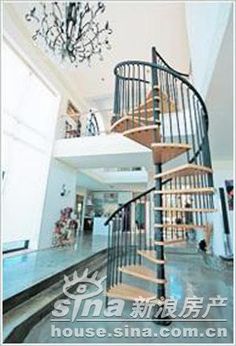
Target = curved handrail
(129,202)
(178,76)
(175,74)
(153,92)
(168,66)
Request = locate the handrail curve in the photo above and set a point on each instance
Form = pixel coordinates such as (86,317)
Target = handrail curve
(131,75)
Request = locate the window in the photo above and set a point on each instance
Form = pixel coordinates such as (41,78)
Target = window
(29,118)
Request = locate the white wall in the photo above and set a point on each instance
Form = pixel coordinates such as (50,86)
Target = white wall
(206,24)
(14,29)
(23,192)
(223,170)
(124,197)
(220,99)
(15,33)
(59,174)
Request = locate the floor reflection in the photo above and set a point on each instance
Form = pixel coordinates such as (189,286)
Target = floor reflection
(24,270)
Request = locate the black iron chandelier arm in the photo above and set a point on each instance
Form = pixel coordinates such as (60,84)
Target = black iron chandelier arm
(31,15)
(73,34)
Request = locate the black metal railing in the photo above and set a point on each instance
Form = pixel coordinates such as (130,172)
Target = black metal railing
(72,129)
(159,60)
(128,232)
(92,127)
(183,114)
(156,94)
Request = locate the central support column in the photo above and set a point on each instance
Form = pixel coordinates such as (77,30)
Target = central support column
(158,214)
(158,217)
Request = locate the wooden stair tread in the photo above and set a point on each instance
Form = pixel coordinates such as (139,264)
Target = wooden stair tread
(194,210)
(150,255)
(185,170)
(145,120)
(128,292)
(166,104)
(180,226)
(137,231)
(144,135)
(142,119)
(123,123)
(164,152)
(200,190)
(149,100)
(143,110)
(142,272)
(170,242)
(148,110)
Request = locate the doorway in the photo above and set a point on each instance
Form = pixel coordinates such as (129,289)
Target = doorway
(79,204)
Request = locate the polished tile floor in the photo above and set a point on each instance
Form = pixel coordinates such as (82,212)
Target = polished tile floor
(188,276)
(23,270)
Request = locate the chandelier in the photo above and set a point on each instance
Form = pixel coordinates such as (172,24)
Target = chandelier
(70,31)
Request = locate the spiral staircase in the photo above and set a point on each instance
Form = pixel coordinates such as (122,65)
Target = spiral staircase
(159,108)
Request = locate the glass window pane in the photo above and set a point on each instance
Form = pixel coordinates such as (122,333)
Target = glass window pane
(29,120)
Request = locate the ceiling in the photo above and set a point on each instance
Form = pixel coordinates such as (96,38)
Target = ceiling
(122,181)
(136,28)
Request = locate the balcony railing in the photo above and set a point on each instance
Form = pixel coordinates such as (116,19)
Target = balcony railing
(73,128)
